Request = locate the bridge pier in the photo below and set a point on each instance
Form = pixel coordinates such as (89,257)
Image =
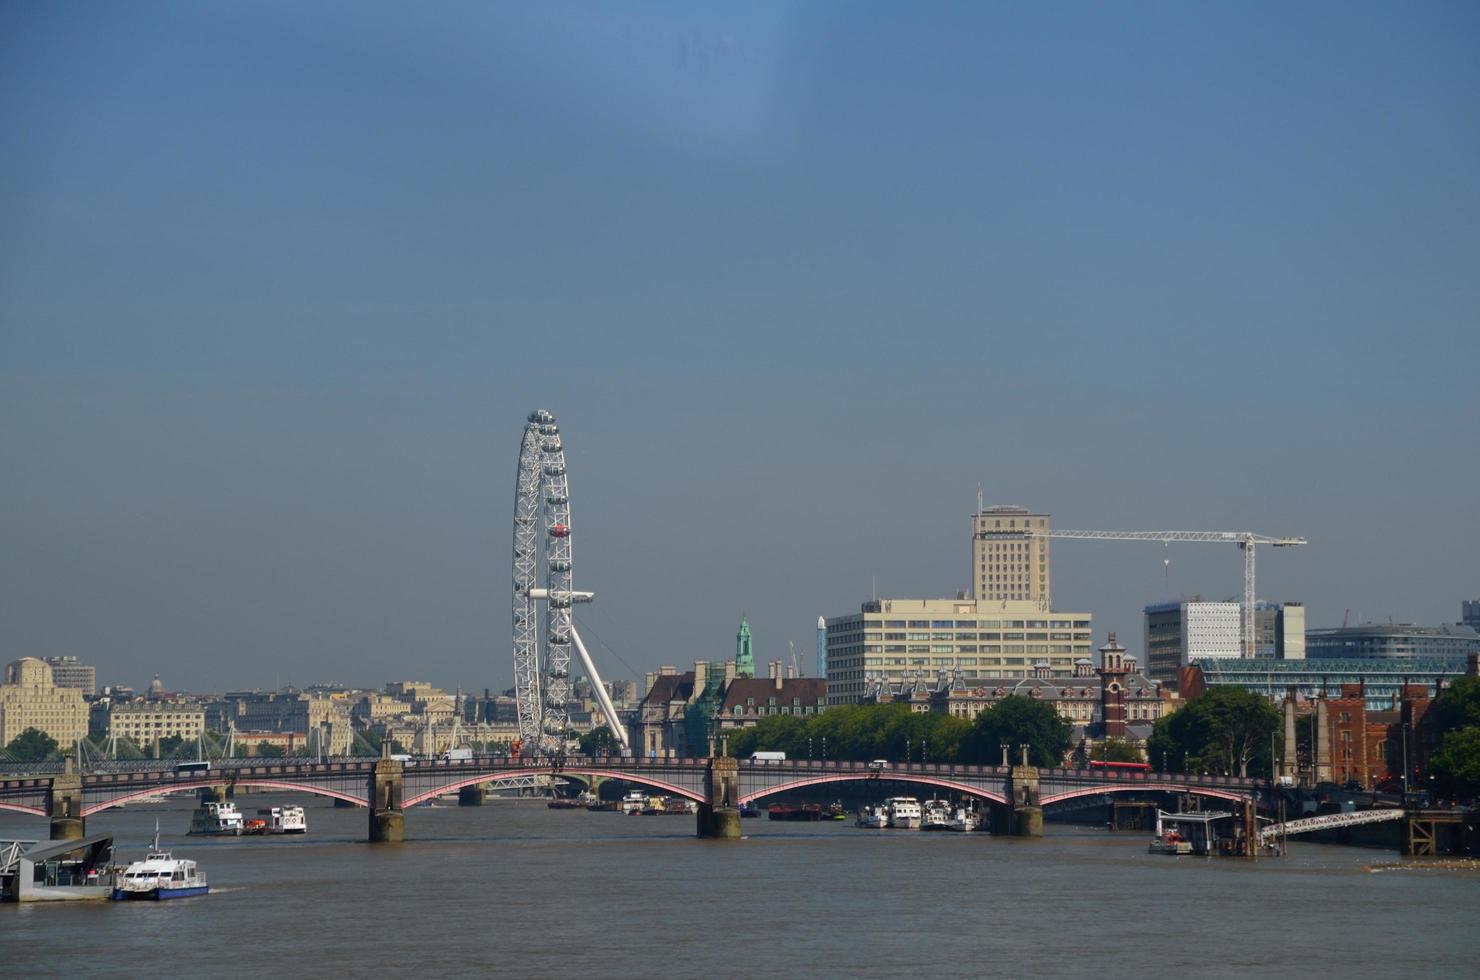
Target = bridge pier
(387,789)
(66,805)
(719,816)
(1027,811)
(473,795)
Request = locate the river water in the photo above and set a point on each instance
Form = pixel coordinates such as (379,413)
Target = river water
(515,889)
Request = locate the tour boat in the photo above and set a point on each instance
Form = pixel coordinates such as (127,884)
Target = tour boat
(904,812)
(873,816)
(216,819)
(963,819)
(160,876)
(634,802)
(936,815)
(284,820)
(749,811)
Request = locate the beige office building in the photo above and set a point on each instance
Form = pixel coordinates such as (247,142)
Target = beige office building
(892,640)
(30,699)
(146,722)
(1007,562)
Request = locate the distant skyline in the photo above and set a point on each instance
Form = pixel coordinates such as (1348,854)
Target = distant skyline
(279,284)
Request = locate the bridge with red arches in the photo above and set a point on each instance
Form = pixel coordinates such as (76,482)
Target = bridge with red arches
(387,785)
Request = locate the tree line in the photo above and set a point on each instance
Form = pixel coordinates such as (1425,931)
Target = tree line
(861,733)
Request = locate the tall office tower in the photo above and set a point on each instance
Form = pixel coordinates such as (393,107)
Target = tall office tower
(1470,614)
(1008,564)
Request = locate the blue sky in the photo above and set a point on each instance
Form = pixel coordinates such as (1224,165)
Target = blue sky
(279,283)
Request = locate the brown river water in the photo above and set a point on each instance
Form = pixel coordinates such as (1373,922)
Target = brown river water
(514,889)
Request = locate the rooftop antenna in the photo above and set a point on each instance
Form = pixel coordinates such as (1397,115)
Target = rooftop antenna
(876,588)
(978,500)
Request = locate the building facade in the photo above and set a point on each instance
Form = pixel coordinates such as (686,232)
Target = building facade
(1180,633)
(1470,614)
(749,699)
(893,640)
(146,722)
(1113,700)
(1008,562)
(70,672)
(1402,641)
(29,698)
(1382,681)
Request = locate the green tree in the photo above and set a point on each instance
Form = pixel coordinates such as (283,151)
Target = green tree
(1458,706)
(599,741)
(170,746)
(266,751)
(366,742)
(1226,732)
(32,745)
(1455,763)
(1116,750)
(1016,720)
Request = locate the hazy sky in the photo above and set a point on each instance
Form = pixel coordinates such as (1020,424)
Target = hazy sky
(279,283)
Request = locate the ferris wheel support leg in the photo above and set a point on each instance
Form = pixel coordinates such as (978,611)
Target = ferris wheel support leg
(607,708)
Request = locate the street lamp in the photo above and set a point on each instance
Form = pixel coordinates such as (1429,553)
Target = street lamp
(809,750)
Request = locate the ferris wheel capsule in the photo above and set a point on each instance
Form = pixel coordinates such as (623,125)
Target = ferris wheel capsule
(559,531)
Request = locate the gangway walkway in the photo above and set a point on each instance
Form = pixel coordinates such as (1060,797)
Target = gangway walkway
(1329,821)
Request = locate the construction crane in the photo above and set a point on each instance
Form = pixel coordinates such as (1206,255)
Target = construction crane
(1247,540)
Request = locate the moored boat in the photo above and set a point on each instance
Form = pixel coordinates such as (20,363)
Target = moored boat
(806,811)
(1171,842)
(873,815)
(634,801)
(963,819)
(284,820)
(935,815)
(160,876)
(216,819)
(904,812)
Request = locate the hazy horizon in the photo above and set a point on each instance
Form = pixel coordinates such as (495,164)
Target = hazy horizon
(280,283)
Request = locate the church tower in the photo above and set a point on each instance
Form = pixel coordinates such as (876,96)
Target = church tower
(744,658)
(1113,671)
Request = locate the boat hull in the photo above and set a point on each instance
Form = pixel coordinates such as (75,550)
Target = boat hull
(159,894)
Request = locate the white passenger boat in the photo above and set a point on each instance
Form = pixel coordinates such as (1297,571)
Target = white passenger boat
(284,820)
(935,815)
(160,876)
(875,816)
(216,819)
(964,819)
(904,812)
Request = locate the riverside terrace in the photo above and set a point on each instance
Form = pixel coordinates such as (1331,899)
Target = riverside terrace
(386,786)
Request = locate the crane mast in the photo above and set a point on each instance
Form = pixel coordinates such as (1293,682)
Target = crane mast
(1246,540)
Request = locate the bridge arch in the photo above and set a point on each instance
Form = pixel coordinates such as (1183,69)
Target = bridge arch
(293,787)
(35,811)
(619,775)
(923,779)
(1147,787)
